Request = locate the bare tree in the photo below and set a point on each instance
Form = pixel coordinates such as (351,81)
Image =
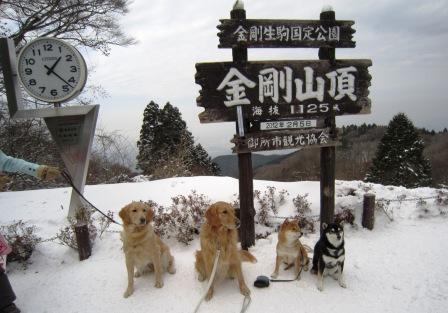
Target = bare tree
(86,23)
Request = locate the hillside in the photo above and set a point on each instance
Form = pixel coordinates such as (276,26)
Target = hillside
(354,157)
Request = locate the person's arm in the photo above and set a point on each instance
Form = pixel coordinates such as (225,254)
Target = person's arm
(14,165)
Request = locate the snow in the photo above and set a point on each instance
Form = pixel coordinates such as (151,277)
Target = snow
(398,267)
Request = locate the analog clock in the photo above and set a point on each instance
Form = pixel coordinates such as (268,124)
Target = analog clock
(51,70)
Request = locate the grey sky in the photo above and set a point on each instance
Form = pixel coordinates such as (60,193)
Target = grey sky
(407,42)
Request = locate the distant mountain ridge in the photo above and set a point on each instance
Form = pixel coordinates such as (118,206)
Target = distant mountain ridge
(353,157)
(229,163)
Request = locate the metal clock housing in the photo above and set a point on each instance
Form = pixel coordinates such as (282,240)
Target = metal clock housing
(51,70)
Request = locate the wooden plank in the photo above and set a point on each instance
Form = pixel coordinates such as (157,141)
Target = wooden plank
(271,33)
(284,139)
(269,90)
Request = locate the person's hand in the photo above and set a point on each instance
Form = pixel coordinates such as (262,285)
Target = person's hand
(4,179)
(47,173)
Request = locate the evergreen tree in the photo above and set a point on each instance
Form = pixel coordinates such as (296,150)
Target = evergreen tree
(146,151)
(204,161)
(399,159)
(166,147)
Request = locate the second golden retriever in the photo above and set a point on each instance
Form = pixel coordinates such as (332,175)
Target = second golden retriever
(143,249)
(220,232)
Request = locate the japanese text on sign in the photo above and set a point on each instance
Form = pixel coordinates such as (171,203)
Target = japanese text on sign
(287,33)
(274,84)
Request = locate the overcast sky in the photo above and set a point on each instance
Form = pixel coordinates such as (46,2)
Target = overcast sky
(407,41)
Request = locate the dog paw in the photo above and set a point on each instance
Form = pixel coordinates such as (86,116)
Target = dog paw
(158,284)
(342,284)
(172,270)
(209,294)
(128,292)
(274,275)
(245,291)
(201,277)
(138,274)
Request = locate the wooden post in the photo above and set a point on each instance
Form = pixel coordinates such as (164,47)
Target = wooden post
(247,212)
(83,240)
(327,154)
(368,211)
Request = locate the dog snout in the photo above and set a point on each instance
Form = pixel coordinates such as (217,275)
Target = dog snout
(300,234)
(142,220)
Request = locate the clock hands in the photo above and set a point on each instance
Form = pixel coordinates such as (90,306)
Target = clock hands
(50,70)
(53,66)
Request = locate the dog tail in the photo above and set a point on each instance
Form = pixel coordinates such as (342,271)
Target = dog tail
(246,256)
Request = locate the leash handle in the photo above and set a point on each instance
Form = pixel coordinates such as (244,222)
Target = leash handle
(69,180)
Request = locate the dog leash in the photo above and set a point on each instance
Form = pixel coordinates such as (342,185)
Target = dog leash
(247,299)
(210,281)
(69,180)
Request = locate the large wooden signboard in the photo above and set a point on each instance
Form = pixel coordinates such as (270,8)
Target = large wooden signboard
(265,33)
(271,90)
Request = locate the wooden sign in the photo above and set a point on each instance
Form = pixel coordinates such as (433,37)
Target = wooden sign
(285,33)
(272,90)
(277,140)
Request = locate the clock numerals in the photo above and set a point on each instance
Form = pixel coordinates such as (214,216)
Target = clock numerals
(48,47)
(42,89)
(73,69)
(72,80)
(68,58)
(32,82)
(65,88)
(53,92)
(30,61)
(28,71)
(34,52)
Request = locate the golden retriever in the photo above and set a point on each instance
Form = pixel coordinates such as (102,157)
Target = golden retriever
(220,232)
(143,249)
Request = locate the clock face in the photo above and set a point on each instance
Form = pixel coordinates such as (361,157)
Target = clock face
(51,70)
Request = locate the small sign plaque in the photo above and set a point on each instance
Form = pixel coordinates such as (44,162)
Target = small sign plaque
(265,33)
(284,139)
(295,124)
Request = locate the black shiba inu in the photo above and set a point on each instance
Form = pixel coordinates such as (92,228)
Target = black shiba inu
(329,255)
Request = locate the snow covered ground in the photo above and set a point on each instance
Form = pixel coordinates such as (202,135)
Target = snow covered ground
(400,266)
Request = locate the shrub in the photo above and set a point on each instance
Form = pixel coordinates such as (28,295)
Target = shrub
(22,239)
(96,224)
(302,204)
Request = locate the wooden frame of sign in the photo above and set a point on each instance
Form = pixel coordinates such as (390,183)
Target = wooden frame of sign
(283,104)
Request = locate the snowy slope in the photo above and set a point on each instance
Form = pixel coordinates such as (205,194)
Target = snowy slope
(398,267)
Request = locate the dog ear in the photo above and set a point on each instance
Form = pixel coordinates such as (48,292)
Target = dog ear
(211,216)
(149,214)
(124,215)
(324,226)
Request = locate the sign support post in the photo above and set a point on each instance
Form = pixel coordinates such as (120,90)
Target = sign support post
(327,154)
(247,211)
